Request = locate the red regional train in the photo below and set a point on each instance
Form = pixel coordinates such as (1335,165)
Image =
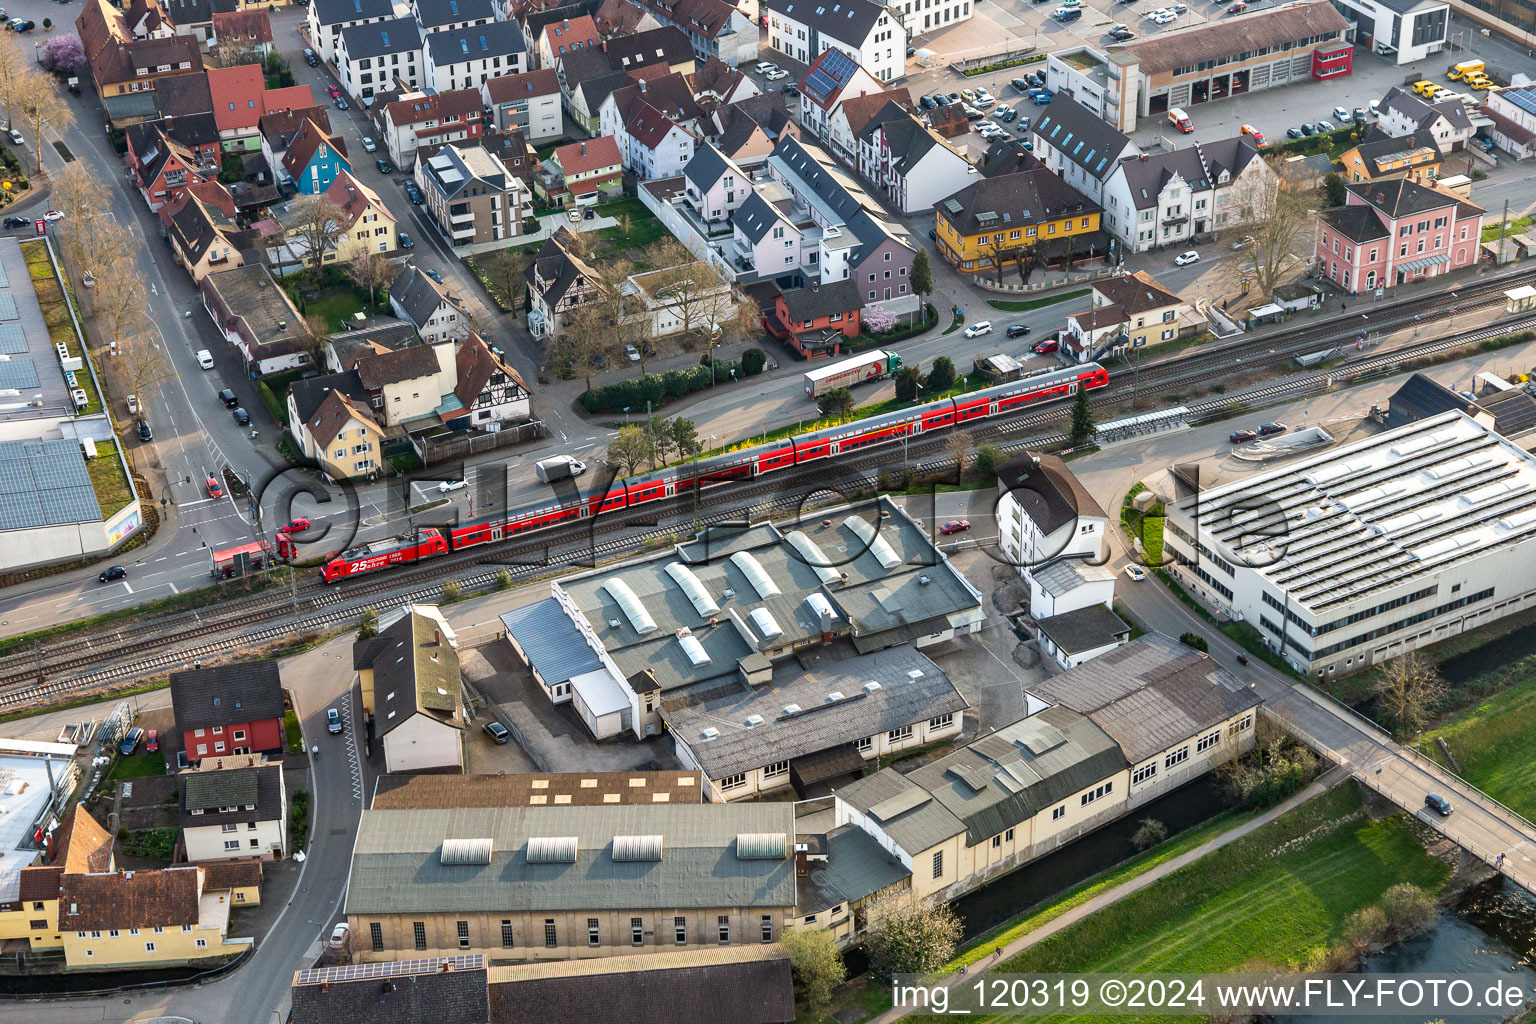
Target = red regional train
(743,464)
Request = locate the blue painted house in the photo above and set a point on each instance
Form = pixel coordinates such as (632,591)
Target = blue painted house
(315,158)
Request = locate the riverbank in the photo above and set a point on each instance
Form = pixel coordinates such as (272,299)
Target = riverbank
(1492,742)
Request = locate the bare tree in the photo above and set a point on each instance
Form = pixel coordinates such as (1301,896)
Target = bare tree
(313,332)
(1409,689)
(317,226)
(992,253)
(1277,224)
(505,270)
(586,339)
(39,106)
(13,65)
(141,363)
(234,51)
(119,303)
(959,446)
(372,271)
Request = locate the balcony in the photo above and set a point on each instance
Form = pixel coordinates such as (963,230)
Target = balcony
(461,218)
(1170,219)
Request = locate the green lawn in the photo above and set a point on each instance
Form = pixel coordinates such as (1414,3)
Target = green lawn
(1516,225)
(1493,742)
(1023,305)
(335,304)
(643,227)
(1243,902)
(137,766)
(108,480)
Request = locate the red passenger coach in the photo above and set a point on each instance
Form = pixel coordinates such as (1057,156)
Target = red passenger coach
(380,554)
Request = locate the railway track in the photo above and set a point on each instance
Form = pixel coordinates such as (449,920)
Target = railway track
(176,639)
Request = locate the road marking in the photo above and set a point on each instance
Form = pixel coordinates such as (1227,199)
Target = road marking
(173,588)
(127,587)
(200,501)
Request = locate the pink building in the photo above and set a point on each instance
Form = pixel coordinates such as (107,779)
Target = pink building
(1389,232)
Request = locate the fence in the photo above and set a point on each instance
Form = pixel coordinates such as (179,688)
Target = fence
(1007,53)
(1065,280)
(462,444)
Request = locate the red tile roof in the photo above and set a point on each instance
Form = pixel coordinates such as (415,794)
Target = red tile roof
(166,898)
(592,155)
(293,97)
(572,34)
(245,26)
(507,88)
(237,95)
(302,149)
(458,103)
(354,198)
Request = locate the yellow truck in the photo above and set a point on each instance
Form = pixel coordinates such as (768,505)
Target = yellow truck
(1457,72)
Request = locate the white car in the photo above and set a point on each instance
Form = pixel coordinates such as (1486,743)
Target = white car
(205,359)
(632,353)
(53,215)
(979,328)
(1136,572)
(776,74)
(1184,259)
(764,66)
(1001,109)
(133,404)
(16,137)
(339,935)
(984,98)
(88,279)
(448,486)
(1163,16)
(369,145)
(986,126)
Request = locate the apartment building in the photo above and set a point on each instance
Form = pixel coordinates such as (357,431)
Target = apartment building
(1163,199)
(1392,231)
(871,34)
(471,195)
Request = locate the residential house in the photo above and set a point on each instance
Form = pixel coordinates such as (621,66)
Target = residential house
(514,151)
(342,348)
(315,159)
(675,299)
(379,56)
(412,690)
(1393,231)
(125,70)
(1046,519)
(701,875)
(1073,638)
(246,33)
(1171,197)
(328,19)
(1415,156)
(149,19)
(1081,149)
(234,813)
(1112,735)
(1133,310)
(466,58)
(205,238)
(490,391)
(566,36)
(451,15)
(1017,219)
(183,96)
(1449,122)
(240,98)
(335,427)
(420,119)
(229,710)
(365,225)
(666,45)
(816,319)
(471,195)
(558,281)
(530,102)
(257,318)
(621,18)
(921,20)
(909,162)
(413,990)
(870,34)
(716,186)
(748,130)
(722,84)
(581,173)
(1513,113)
(163,168)
(854,113)
(832,78)
(426,305)
(587,79)
(715,29)
(278,131)
(654,124)
(405,386)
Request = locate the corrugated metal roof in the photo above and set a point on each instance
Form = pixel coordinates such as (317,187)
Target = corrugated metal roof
(856,867)
(550,641)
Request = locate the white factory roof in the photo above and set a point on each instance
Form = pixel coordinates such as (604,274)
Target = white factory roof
(24,783)
(1375,514)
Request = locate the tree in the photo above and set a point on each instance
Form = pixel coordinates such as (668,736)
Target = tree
(837,403)
(1194,640)
(506,270)
(602,325)
(118,300)
(1408,908)
(1081,429)
(236,51)
(959,446)
(658,431)
(941,376)
(993,254)
(367,624)
(62,55)
(628,450)
(1029,261)
(911,936)
(372,271)
(1408,690)
(312,333)
(752,362)
(685,438)
(141,363)
(1363,927)
(988,458)
(316,228)
(1278,225)
(876,319)
(1149,834)
(908,379)
(1333,184)
(922,275)
(815,963)
(39,106)
(13,65)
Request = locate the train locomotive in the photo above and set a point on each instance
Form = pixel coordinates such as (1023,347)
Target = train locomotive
(743,464)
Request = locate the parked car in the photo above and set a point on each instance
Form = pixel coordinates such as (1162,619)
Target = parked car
(1121,34)
(369,145)
(1043,97)
(1185,258)
(1048,345)
(955,526)
(1439,804)
(17,222)
(333,91)
(242,417)
(985,126)
(133,404)
(979,328)
(131,741)
(341,103)
(1017,331)
(229,398)
(152,741)
(971,113)
(311,58)
(1341,114)
(1424,87)
(496,731)
(1248,129)
(1295,133)
(969,95)
(448,486)
(1308,128)
(1359,115)
(53,216)
(384,166)
(1163,16)
(1237,8)
(117,572)
(16,137)
(434,275)
(1271,429)
(1136,572)
(631,353)
(339,935)
(1241,436)
(1019,85)
(926,102)
(332,721)
(297,525)
(205,359)
(145,433)
(215,489)
(1325,126)
(1065,14)
(984,98)
(413,193)
(405,241)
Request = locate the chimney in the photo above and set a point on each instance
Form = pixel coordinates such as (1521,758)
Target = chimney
(437,638)
(826,626)
(567,25)
(583,149)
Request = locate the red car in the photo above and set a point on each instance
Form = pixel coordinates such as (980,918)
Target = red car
(1237,8)
(299,525)
(152,743)
(1048,345)
(955,526)
(214,490)
(333,91)
(1242,436)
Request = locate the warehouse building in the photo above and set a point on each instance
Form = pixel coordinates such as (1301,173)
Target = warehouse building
(1346,559)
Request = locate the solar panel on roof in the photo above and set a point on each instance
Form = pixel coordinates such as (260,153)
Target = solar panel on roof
(12,341)
(8,307)
(18,374)
(388,969)
(5,282)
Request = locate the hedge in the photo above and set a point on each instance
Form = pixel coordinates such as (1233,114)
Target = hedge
(653,388)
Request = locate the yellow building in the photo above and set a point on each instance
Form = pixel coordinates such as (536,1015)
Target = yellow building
(1415,156)
(342,436)
(993,222)
(1133,310)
